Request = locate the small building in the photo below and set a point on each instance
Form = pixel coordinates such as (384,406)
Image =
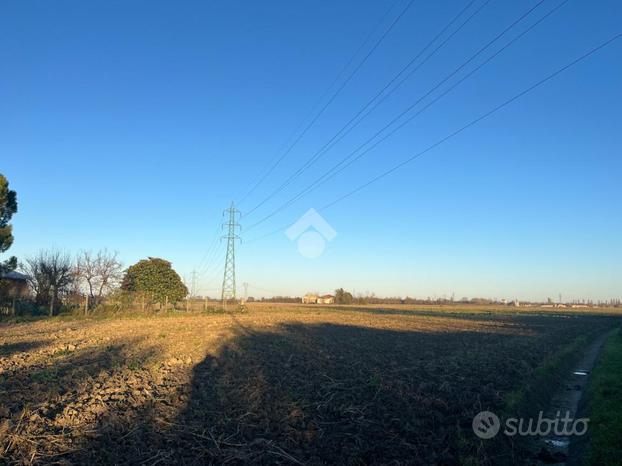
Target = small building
(14,284)
(310,298)
(326,299)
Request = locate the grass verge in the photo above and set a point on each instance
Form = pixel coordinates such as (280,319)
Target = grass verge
(542,383)
(604,406)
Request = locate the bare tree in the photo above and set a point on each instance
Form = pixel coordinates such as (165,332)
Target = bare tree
(100,273)
(86,271)
(51,274)
(110,272)
(38,283)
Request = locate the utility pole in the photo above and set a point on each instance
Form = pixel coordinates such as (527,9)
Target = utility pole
(245,285)
(193,289)
(228,279)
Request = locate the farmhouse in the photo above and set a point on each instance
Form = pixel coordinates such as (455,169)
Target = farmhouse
(14,285)
(311,298)
(326,299)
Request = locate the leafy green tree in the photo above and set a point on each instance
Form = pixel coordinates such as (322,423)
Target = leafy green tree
(343,297)
(8,206)
(156,279)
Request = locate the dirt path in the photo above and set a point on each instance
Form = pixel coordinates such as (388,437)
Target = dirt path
(559,449)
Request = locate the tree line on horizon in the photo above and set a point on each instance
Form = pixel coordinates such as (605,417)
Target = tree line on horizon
(58,281)
(86,282)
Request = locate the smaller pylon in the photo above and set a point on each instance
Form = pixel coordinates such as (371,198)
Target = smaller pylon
(193,289)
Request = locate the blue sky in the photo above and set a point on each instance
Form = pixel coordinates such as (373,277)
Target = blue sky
(132,125)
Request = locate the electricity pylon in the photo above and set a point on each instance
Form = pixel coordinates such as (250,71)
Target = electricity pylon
(228,279)
(193,289)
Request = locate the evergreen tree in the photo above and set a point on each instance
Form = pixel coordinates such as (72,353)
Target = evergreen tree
(156,279)
(8,206)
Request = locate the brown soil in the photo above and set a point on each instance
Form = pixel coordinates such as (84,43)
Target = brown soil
(280,384)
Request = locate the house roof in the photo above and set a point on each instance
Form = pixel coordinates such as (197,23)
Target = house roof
(14,276)
(327,296)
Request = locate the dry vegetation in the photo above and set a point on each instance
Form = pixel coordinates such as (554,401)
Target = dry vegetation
(279,384)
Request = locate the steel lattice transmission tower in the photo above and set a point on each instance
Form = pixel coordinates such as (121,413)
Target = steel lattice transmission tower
(228,279)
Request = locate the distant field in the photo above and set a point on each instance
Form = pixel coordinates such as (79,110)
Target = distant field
(280,384)
(460,308)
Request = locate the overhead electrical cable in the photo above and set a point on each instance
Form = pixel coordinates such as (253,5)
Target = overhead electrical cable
(472,122)
(213,261)
(276,162)
(377,99)
(370,140)
(351,158)
(208,251)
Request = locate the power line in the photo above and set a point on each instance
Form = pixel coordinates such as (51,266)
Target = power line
(332,98)
(468,125)
(475,121)
(215,263)
(322,97)
(215,277)
(215,270)
(347,161)
(209,249)
(206,263)
(331,173)
(212,253)
(214,266)
(273,232)
(353,122)
(214,257)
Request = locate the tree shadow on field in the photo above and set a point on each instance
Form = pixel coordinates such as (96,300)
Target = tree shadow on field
(9,349)
(337,394)
(295,393)
(388,311)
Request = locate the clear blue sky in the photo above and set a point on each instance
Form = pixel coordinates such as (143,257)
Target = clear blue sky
(131,125)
